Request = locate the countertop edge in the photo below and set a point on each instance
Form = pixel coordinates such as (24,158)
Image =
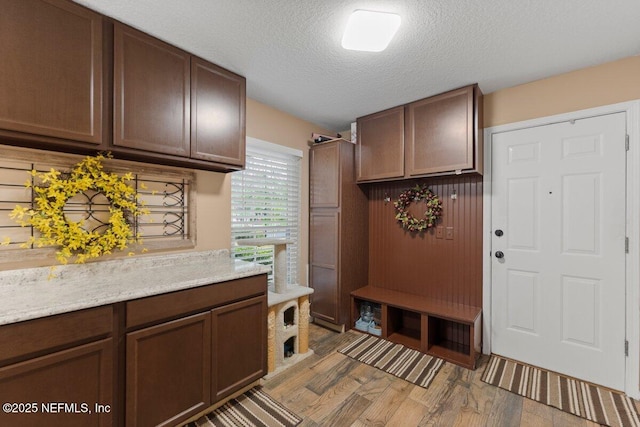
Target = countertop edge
(20,307)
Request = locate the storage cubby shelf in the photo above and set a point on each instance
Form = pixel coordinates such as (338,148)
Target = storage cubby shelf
(446,330)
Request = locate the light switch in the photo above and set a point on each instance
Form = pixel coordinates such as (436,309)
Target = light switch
(439,232)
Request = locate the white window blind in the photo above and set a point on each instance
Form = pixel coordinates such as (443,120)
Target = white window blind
(265,203)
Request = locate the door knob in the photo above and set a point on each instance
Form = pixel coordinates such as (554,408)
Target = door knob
(499,233)
(499,254)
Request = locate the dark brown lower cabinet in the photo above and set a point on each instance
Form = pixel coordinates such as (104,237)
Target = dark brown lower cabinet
(239,354)
(72,387)
(189,349)
(168,371)
(151,361)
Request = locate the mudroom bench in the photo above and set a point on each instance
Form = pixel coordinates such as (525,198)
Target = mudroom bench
(446,330)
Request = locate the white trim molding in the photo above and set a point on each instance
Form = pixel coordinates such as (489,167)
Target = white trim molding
(632,111)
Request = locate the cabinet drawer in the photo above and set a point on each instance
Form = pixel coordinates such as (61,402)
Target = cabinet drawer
(54,332)
(145,311)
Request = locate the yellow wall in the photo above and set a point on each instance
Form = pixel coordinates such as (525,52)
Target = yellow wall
(604,84)
(213,203)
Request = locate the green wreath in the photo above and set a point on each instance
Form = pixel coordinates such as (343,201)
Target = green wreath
(417,194)
(48,216)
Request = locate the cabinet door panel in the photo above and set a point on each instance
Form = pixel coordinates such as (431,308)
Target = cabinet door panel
(239,354)
(324,300)
(324,175)
(51,72)
(80,375)
(324,231)
(168,371)
(440,133)
(152,93)
(380,148)
(217,114)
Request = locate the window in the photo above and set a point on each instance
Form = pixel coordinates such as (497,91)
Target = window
(265,203)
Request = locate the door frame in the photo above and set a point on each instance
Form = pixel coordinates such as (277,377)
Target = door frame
(632,270)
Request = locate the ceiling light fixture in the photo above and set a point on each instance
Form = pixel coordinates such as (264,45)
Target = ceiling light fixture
(370,31)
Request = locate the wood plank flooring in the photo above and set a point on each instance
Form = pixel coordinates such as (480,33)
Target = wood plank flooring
(331,389)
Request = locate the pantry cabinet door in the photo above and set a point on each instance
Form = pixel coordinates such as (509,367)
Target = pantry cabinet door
(324,175)
(324,229)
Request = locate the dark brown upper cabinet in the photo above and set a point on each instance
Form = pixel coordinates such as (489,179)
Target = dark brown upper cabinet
(439,135)
(217,114)
(76,81)
(380,147)
(152,83)
(177,108)
(51,74)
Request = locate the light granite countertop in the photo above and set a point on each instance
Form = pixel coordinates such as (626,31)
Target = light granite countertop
(30,293)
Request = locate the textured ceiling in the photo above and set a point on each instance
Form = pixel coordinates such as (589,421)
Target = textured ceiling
(290,53)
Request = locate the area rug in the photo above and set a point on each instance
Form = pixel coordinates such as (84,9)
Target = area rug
(597,404)
(253,408)
(395,359)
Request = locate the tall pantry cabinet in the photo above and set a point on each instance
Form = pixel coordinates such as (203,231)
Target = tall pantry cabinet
(338,231)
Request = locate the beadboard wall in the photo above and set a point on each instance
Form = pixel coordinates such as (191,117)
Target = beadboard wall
(420,263)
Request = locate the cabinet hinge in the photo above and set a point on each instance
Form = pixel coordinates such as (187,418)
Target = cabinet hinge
(626,245)
(626,142)
(626,348)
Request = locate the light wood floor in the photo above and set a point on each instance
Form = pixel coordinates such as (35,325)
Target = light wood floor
(330,389)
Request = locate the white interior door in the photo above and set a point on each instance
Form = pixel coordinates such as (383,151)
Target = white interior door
(558,265)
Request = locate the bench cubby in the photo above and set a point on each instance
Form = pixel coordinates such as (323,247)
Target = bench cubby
(446,330)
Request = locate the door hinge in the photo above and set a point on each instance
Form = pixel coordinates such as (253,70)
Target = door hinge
(626,348)
(626,142)
(626,245)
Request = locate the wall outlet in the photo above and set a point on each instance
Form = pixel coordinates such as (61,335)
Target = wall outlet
(439,232)
(448,233)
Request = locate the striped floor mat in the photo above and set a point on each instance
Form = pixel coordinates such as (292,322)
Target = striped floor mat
(395,359)
(576,397)
(254,408)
